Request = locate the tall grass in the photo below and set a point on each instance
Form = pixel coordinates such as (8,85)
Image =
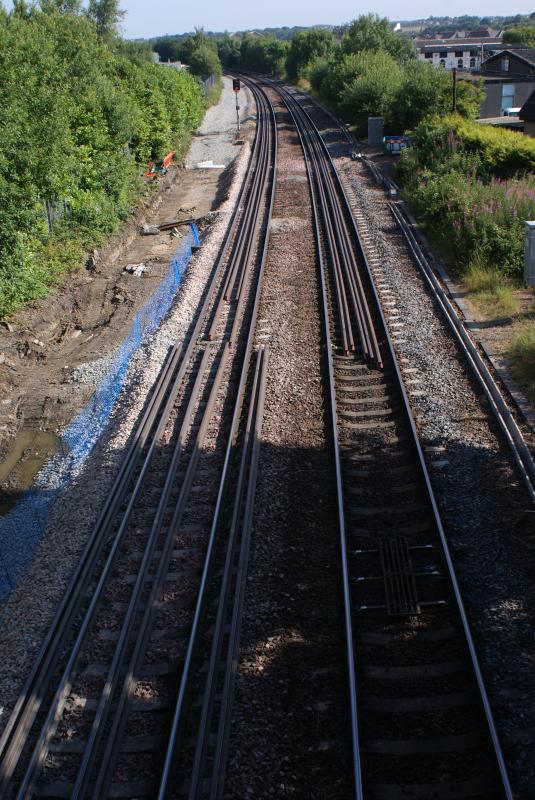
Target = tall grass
(523,353)
(491,291)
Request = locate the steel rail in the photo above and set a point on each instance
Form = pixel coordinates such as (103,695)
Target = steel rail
(31,698)
(343,202)
(245,485)
(329,179)
(107,763)
(185,678)
(64,685)
(501,410)
(108,760)
(346,579)
(246,244)
(107,695)
(342,242)
(111,753)
(29,702)
(508,424)
(223,734)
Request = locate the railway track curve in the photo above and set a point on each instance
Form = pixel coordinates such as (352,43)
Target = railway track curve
(111,705)
(421,722)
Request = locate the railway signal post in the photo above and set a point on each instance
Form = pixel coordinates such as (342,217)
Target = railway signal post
(236,86)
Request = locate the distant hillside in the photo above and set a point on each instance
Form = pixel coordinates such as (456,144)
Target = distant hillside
(448,25)
(283,33)
(436,26)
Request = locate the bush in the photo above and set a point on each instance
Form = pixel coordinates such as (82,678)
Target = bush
(490,151)
(317,74)
(78,116)
(473,185)
(475,220)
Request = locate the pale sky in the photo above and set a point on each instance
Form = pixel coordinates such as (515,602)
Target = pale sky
(164,16)
(145,20)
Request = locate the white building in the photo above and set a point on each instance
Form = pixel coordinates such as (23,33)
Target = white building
(464,54)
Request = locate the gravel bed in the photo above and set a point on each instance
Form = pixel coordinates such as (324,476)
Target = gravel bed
(92,372)
(288,734)
(481,499)
(216,139)
(27,613)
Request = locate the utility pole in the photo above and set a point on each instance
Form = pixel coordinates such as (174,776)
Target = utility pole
(236,88)
(454,91)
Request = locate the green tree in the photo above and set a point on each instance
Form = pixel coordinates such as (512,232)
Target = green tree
(78,120)
(139,52)
(22,9)
(372,88)
(106,16)
(186,49)
(168,48)
(470,96)
(204,61)
(228,49)
(61,6)
(264,54)
(423,90)
(371,32)
(305,48)
(331,78)
(318,73)
(525,34)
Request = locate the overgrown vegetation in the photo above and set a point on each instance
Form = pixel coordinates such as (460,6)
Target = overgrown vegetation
(523,353)
(491,291)
(524,34)
(375,72)
(264,54)
(307,47)
(199,51)
(472,185)
(80,112)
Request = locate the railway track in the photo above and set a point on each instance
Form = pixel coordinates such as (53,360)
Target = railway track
(503,406)
(119,689)
(421,723)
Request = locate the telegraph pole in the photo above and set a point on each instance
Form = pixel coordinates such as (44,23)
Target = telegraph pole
(454,91)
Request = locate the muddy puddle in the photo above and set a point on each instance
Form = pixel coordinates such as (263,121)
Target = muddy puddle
(27,454)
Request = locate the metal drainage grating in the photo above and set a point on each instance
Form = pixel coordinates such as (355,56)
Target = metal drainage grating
(398,577)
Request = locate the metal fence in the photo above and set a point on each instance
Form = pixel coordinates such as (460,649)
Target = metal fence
(54,210)
(207,84)
(22,527)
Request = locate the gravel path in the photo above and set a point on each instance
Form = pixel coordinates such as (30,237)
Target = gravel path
(26,615)
(216,139)
(481,500)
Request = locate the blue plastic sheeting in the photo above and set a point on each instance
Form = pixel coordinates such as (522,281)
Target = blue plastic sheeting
(22,527)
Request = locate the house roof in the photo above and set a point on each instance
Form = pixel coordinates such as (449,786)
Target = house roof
(511,123)
(527,112)
(421,43)
(480,32)
(526,54)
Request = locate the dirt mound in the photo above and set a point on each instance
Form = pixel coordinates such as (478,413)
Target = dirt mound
(53,351)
